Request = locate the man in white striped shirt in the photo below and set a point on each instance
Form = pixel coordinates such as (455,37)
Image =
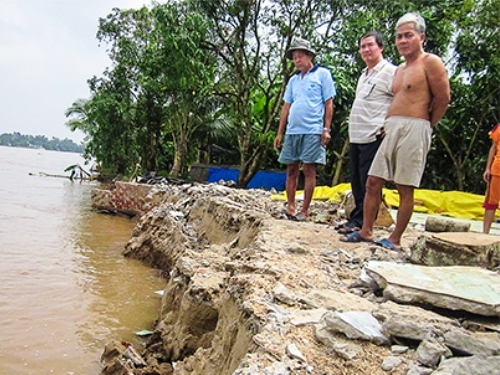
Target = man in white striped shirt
(373,98)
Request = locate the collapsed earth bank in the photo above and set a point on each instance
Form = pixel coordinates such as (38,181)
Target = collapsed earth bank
(251,293)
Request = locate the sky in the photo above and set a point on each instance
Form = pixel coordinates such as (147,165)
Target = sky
(48,51)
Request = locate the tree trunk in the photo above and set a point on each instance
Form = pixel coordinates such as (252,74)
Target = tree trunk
(180,152)
(340,162)
(437,224)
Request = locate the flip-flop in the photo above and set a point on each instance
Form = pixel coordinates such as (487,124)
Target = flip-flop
(349,228)
(301,217)
(289,216)
(341,225)
(354,237)
(387,244)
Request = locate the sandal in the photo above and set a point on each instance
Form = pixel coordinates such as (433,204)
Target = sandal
(349,228)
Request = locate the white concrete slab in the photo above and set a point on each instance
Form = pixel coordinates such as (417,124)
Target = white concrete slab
(470,289)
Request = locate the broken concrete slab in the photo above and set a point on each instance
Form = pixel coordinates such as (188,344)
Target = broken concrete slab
(475,365)
(415,323)
(412,322)
(345,349)
(429,352)
(356,325)
(306,317)
(336,300)
(480,343)
(469,289)
(457,249)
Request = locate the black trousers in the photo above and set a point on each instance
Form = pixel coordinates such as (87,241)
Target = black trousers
(361,160)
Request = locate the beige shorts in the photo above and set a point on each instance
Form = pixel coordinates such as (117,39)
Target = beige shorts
(402,155)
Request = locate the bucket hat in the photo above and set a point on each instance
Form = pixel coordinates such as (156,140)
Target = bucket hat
(299,44)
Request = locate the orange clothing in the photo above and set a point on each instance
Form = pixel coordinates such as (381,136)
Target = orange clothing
(492,196)
(495,136)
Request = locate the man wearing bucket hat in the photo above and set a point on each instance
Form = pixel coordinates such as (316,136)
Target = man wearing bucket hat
(306,116)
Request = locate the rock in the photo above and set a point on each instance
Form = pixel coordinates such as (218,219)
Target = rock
(487,343)
(391,363)
(475,365)
(336,300)
(412,322)
(439,224)
(120,359)
(356,325)
(293,352)
(419,370)
(384,217)
(112,350)
(429,352)
(399,349)
(305,317)
(346,350)
(131,353)
(232,263)
(457,249)
(456,288)
(283,294)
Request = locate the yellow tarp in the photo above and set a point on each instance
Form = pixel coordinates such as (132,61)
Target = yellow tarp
(447,203)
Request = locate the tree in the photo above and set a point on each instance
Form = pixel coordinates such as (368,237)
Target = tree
(188,74)
(251,38)
(475,107)
(158,78)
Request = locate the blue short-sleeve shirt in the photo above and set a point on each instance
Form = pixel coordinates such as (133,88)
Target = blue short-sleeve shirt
(307,96)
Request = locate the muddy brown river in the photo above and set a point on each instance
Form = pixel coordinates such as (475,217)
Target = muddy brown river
(65,288)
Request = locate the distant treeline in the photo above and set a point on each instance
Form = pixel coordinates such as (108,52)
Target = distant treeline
(39,141)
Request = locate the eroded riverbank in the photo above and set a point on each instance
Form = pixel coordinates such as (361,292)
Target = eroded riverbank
(251,293)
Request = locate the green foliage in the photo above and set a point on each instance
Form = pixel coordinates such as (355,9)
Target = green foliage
(39,141)
(197,80)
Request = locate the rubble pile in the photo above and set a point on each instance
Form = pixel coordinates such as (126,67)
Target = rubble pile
(252,293)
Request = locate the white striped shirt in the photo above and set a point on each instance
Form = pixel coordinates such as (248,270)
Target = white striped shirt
(373,99)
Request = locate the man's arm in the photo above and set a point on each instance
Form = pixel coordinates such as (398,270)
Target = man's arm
(439,85)
(327,122)
(282,126)
(328,113)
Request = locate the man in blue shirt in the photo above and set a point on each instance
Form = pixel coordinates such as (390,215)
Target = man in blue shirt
(307,117)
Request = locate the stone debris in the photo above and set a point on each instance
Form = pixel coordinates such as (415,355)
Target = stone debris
(399,349)
(473,343)
(346,350)
(391,363)
(293,352)
(469,289)
(475,365)
(307,317)
(251,293)
(429,352)
(356,325)
(419,370)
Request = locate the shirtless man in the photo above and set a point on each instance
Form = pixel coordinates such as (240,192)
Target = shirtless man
(421,96)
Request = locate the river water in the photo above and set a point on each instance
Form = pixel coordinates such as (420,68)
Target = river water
(65,288)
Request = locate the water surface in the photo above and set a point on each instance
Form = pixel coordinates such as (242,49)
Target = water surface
(65,288)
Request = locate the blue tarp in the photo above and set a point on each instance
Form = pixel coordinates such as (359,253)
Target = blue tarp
(262,179)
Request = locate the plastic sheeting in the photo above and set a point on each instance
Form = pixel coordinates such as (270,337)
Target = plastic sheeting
(446,203)
(262,179)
